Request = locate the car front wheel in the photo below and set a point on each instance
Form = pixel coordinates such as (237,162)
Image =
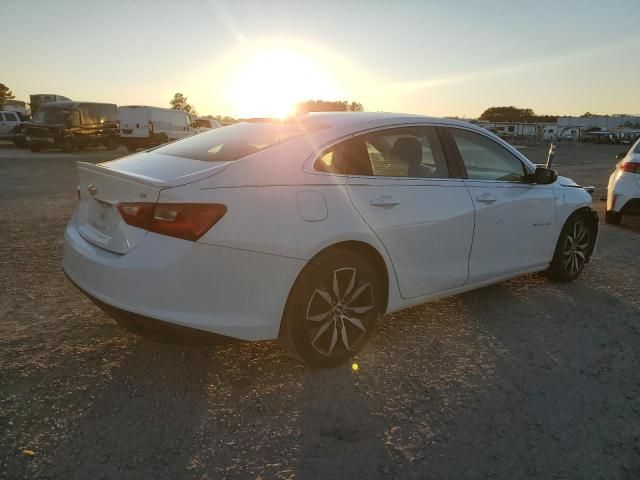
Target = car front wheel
(332,309)
(573,249)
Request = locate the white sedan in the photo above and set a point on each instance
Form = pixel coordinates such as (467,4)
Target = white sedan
(310,229)
(623,193)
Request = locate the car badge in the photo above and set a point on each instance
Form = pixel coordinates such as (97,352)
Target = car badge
(92,189)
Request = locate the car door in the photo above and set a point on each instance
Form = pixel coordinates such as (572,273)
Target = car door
(399,181)
(514,220)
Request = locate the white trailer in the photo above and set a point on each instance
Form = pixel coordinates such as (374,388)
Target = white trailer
(143,126)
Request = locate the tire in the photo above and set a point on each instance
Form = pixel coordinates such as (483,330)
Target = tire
(68,146)
(612,218)
(163,139)
(327,338)
(573,250)
(111,143)
(34,148)
(131,148)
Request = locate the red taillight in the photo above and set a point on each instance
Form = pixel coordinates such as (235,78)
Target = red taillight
(182,220)
(630,167)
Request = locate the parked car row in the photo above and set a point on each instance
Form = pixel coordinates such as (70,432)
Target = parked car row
(71,125)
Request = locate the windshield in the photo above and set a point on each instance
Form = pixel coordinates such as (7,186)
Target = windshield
(237,141)
(51,116)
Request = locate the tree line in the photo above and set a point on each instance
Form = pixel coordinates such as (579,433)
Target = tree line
(514,114)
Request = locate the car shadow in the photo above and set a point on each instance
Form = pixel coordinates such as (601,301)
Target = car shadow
(518,379)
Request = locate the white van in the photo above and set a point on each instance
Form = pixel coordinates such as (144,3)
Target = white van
(142,126)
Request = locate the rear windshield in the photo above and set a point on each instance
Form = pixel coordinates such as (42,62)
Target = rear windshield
(237,141)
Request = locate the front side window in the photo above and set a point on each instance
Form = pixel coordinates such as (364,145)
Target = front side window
(10,117)
(76,119)
(413,152)
(87,114)
(485,159)
(51,115)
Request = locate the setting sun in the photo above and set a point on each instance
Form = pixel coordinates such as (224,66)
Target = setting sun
(270,83)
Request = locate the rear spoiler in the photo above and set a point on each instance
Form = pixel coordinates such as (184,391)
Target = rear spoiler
(152,182)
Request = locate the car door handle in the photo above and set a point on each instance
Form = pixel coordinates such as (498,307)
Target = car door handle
(486,198)
(384,201)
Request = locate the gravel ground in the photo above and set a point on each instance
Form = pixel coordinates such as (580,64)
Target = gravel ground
(525,379)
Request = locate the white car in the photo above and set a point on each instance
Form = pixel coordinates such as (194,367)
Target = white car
(310,229)
(623,192)
(142,126)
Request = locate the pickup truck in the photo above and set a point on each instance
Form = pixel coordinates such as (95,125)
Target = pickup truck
(10,125)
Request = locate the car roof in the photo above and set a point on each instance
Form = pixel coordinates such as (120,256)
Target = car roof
(338,119)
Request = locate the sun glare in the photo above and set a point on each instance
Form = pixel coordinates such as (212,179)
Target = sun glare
(270,83)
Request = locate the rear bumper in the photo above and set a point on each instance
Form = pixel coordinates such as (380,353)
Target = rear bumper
(623,190)
(153,328)
(222,290)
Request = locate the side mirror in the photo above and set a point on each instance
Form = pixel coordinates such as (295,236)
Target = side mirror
(544,176)
(621,155)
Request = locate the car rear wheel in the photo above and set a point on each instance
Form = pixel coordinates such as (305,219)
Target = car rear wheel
(332,309)
(111,143)
(612,218)
(163,139)
(573,249)
(131,148)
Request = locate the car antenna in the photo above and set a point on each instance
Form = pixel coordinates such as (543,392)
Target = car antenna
(550,154)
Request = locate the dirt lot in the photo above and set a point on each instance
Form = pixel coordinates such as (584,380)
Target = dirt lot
(525,379)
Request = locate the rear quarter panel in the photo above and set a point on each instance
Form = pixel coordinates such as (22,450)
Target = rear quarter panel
(269,219)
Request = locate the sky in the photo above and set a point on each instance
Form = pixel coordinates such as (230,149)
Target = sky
(256,58)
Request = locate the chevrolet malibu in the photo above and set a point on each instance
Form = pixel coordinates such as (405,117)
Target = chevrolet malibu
(310,229)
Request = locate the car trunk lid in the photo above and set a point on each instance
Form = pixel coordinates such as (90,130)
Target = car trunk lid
(103,186)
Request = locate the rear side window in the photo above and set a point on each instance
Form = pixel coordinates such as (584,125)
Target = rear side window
(406,152)
(10,117)
(238,141)
(413,152)
(485,159)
